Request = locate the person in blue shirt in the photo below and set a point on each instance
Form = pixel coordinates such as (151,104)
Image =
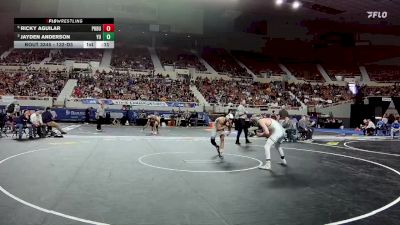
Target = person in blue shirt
(395,128)
(23,121)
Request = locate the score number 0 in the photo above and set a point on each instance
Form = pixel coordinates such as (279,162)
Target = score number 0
(100,37)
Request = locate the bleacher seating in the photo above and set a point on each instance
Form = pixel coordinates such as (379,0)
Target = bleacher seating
(342,70)
(180,59)
(116,85)
(233,91)
(384,73)
(258,63)
(132,58)
(305,71)
(224,63)
(5,43)
(40,83)
(24,56)
(77,55)
(321,94)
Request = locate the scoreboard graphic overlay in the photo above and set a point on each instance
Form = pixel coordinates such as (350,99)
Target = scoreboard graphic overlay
(40,33)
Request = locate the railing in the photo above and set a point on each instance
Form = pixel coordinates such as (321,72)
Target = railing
(257,106)
(138,102)
(27,98)
(330,105)
(128,69)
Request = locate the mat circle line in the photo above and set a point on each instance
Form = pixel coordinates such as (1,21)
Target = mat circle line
(374,212)
(141,161)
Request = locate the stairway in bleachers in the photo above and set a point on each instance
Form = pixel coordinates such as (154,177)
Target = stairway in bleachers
(156,61)
(6,53)
(287,72)
(66,92)
(244,66)
(199,96)
(106,60)
(205,63)
(364,74)
(323,73)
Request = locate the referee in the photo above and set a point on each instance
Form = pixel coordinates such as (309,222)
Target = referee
(241,117)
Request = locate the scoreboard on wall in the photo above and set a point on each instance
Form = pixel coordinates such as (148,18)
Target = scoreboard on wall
(59,33)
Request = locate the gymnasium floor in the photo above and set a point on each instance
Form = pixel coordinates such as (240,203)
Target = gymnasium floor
(124,176)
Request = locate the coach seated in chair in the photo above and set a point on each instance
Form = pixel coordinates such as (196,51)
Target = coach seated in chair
(290,128)
(368,127)
(23,122)
(381,128)
(3,121)
(39,127)
(395,129)
(47,118)
(305,127)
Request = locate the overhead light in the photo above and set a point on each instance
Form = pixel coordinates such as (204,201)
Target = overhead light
(278,2)
(296,4)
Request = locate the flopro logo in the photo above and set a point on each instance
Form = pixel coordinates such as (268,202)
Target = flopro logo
(377,14)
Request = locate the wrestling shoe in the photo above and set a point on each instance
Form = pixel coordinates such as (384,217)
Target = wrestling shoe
(221,157)
(267,166)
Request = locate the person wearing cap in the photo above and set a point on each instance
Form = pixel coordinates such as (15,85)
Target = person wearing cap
(220,124)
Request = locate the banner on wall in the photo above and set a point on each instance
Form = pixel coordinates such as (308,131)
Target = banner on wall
(140,103)
(182,71)
(386,99)
(7,98)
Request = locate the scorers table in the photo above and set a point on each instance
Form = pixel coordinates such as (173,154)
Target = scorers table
(57,33)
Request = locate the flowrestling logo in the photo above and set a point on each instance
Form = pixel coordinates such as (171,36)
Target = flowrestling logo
(377,15)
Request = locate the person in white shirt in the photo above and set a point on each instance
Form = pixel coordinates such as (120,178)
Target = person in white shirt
(100,115)
(37,122)
(275,133)
(368,127)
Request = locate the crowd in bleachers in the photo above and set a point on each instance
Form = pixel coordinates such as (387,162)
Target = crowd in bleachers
(132,58)
(389,91)
(24,57)
(342,70)
(258,63)
(116,85)
(77,55)
(305,71)
(321,94)
(5,43)
(41,83)
(384,73)
(180,59)
(224,63)
(233,91)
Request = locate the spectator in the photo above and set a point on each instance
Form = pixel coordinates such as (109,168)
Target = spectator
(24,122)
(179,118)
(37,123)
(283,113)
(368,127)
(304,125)
(395,128)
